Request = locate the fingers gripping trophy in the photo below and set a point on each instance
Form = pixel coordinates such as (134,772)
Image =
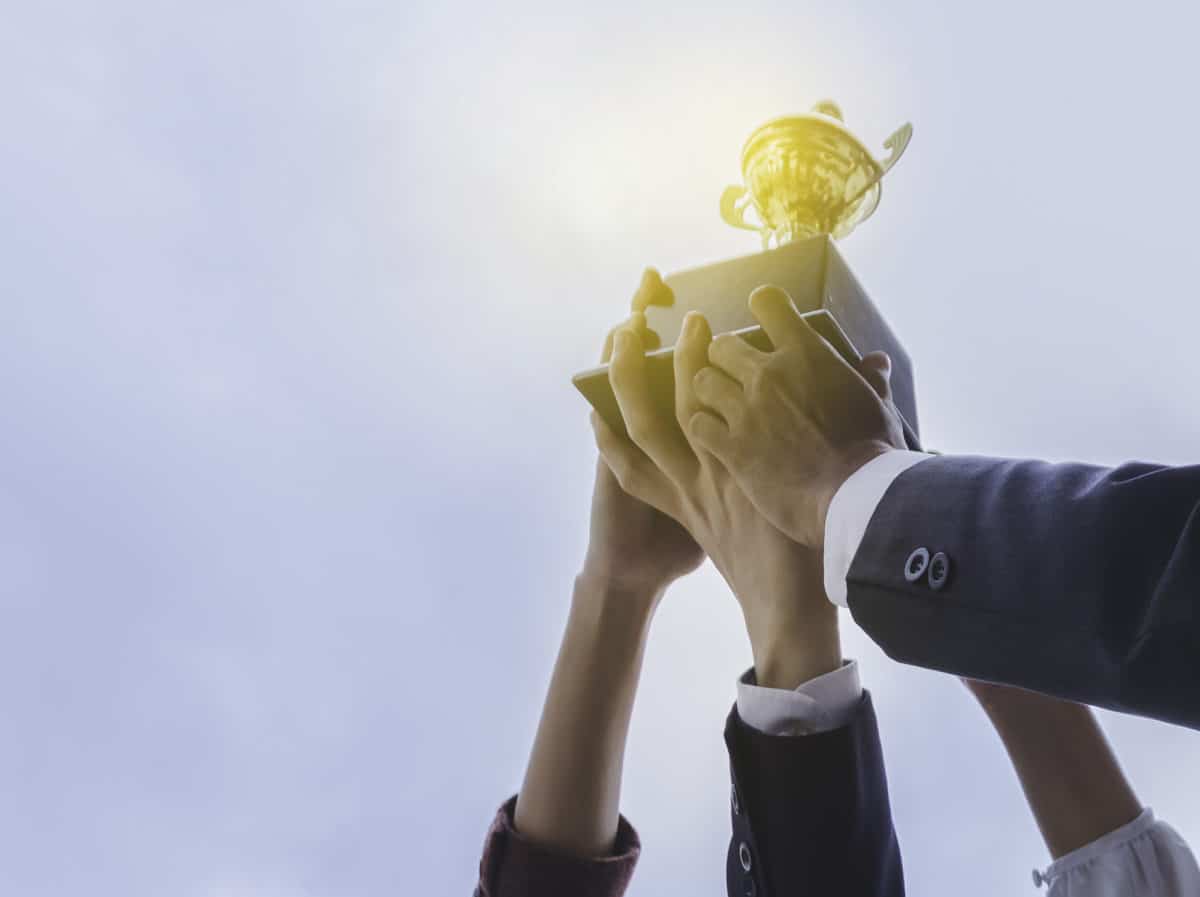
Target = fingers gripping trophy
(807,181)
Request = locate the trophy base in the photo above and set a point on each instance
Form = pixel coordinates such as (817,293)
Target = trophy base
(816,277)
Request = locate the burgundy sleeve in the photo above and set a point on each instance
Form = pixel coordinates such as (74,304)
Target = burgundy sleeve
(514,866)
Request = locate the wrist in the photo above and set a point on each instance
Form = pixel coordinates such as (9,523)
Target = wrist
(857,457)
(614,581)
(611,608)
(789,652)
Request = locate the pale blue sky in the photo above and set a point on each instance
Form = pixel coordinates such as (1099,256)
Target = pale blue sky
(293,483)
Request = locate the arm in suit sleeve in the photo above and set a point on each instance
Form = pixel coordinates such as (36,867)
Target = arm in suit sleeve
(1077,581)
(810,812)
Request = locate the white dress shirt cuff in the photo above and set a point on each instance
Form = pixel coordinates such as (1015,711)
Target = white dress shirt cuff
(850,512)
(1144,857)
(819,705)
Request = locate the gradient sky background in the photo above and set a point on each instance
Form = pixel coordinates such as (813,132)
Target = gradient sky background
(293,484)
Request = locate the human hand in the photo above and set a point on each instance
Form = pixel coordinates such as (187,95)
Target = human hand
(792,627)
(793,424)
(634,550)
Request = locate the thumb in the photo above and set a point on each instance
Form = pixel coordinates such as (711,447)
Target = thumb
(876,369)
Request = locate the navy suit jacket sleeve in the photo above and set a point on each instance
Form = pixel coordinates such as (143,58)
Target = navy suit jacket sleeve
(810,813)
(1076,581)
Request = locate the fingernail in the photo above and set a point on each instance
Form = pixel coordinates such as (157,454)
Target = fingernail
(769,289)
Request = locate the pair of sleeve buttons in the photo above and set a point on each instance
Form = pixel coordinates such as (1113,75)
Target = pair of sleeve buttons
(921,564)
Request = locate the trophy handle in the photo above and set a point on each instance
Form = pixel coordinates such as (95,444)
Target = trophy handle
(897,143)
(734,202)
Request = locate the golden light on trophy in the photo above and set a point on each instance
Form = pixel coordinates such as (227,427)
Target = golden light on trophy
(808,175)
(808,181)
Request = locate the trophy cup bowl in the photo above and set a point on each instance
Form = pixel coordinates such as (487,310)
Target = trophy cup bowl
(807,175)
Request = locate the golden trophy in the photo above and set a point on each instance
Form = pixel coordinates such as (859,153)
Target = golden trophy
(808,180)
(807,176)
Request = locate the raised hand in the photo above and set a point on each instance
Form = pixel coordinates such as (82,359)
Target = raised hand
(570,795)
(634,547)
(792,628)
(793,424)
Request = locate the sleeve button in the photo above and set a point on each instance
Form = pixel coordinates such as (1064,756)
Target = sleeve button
(939,571)
(916,565)
(744,856)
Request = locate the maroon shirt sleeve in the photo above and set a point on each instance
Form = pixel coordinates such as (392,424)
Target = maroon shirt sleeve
(514,866)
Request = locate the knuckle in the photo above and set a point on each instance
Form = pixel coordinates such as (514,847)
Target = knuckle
(775,376)
(624,381)
(698,432)
(762,381)
(639,429)
(625,475)
(617,463)
(623,467)
(721,346)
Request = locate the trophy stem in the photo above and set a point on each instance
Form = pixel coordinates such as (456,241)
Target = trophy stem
(801,224)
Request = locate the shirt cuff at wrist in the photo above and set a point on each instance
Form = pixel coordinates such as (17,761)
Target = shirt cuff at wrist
(819,705)
(850,512)
(1145,857)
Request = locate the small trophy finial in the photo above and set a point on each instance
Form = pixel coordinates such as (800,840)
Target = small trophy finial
(830,108)
(807,175)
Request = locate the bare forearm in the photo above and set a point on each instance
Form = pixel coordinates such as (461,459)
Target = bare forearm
(1071,778)
(572,786)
